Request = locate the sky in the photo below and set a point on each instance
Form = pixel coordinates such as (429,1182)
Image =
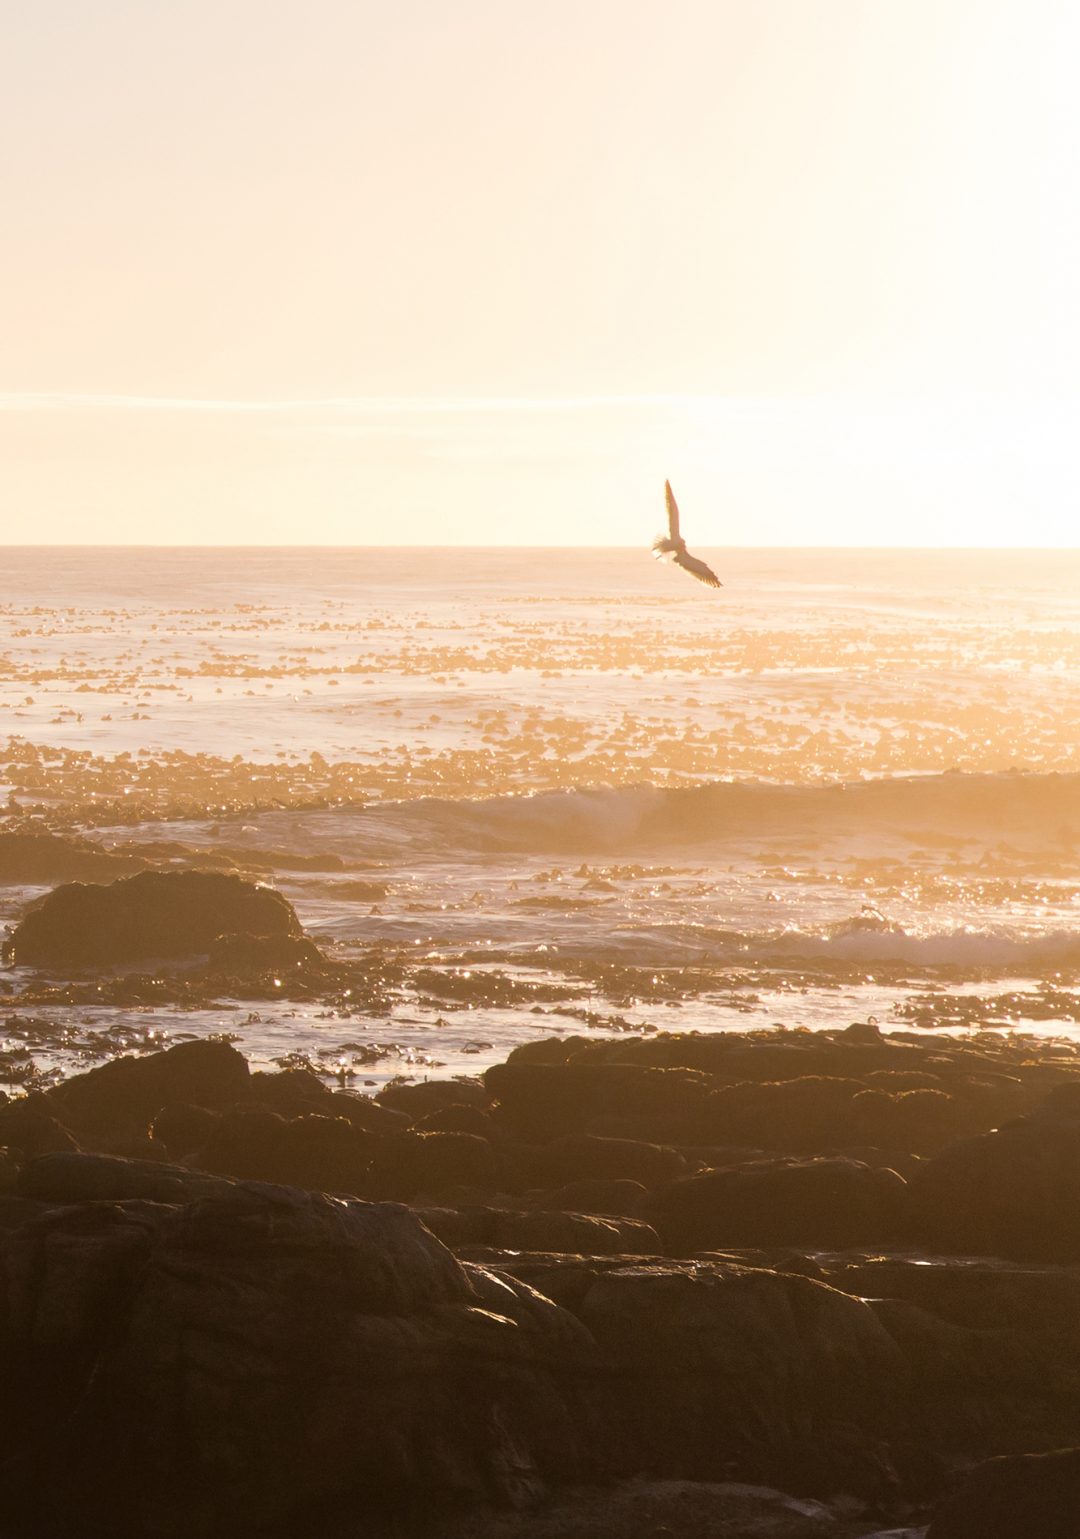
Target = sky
(484,272)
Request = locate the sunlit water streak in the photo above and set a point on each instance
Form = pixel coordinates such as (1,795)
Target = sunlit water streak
(551,763)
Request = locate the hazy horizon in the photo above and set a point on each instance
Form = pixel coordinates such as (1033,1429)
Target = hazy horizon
(388,274)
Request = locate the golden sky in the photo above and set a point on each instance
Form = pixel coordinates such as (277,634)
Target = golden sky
(474,271)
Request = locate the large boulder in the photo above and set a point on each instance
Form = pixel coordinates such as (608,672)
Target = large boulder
(155,914)
(263,1361)
(827,1203)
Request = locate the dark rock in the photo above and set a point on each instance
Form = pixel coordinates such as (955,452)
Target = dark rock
(29,1126)
(862,1031)
(1013,1193)
(719,1372)
(661,1509)
(248,1143)
(247,956)
(621,1198)
(991,1349)
(793,1116)
(318,1153)
(16,1211)
(181,1129)
(539,1102)
(127,1093)
(832,1203)
(35,860)
(578,1234)
(918,1121)
(1036,1495)
(497,1230)
(895,1080)
(821,1113)
(68,1178)
(585,1158)
(456,1119)
(433,1095)
(469,1227)
(1061,1104)
(154,914)
(365,1113)
(289,1091)
(259,1361)
(411,1164)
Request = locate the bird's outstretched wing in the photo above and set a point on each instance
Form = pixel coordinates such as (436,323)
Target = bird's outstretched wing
(697,568)
(672,512)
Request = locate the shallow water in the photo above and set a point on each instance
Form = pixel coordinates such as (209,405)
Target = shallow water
(846,784)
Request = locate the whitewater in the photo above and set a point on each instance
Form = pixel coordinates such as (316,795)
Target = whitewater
(564,791)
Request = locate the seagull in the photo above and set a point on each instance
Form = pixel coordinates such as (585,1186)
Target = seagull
(675,546)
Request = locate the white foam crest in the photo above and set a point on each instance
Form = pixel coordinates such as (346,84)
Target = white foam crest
(871,938)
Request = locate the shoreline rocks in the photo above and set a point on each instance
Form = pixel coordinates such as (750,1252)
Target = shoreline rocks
(525,1282)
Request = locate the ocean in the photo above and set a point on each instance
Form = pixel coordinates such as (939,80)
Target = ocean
(565,791)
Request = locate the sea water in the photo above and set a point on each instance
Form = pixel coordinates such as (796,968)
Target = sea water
(845,785)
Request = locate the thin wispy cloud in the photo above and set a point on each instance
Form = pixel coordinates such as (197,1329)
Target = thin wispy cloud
(27,401)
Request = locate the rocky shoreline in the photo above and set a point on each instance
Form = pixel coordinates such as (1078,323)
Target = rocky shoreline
(777,1283)
(677,1263)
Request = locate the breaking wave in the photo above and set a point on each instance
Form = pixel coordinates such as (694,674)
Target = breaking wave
(618,819)
(869,938)
(865,941)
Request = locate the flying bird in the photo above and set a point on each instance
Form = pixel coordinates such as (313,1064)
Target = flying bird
(675,546)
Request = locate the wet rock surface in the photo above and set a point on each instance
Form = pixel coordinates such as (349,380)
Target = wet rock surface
(1037,1494)
(562,1273)
(152,914)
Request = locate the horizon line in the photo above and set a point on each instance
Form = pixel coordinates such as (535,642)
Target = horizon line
(55,545)
(451,405)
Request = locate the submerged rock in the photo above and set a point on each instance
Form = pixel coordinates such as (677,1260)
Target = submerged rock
(153,914)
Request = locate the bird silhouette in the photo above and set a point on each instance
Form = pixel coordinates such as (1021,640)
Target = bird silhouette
(674,545)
